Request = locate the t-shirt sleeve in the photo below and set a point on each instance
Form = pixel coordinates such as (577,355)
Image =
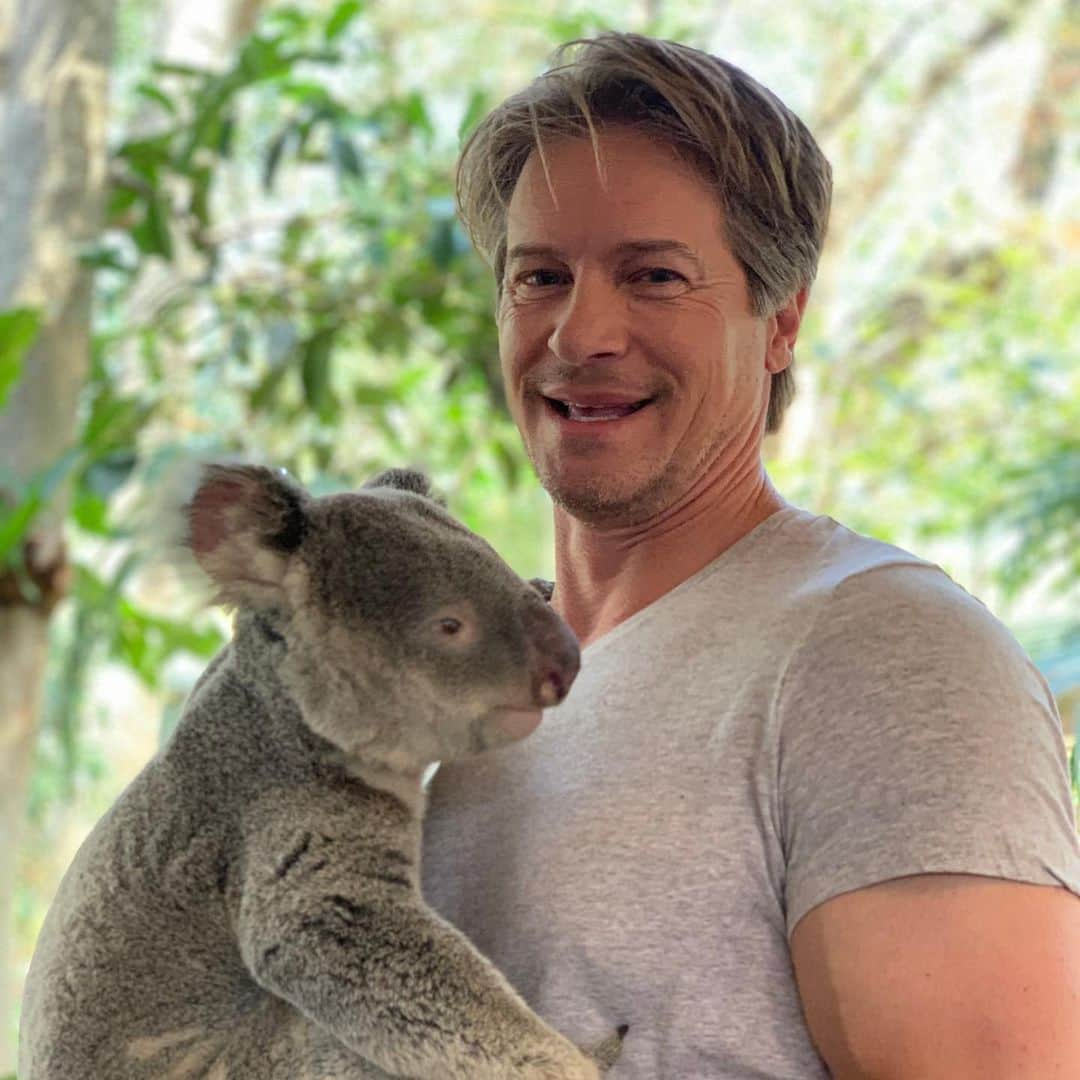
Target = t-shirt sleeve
(916,737)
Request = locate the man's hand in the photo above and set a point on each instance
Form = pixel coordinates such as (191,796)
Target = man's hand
(944,977)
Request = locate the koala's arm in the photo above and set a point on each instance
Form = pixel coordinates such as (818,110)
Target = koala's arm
(350,943)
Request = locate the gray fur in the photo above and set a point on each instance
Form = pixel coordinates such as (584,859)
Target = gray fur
(249,908)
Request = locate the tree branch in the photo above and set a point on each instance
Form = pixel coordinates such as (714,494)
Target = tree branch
(1040,142)
(945,71)
(890,51)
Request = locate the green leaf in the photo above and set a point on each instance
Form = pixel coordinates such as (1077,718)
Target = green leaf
(290,18)
(155,94)
(146,642)
(19,329)
(152,235)
(316,372)
(371,394)
(105,257)
(344,156)
(226,134)
(441,245)
(414,110)
(15,524)
(16,521)
(240,344)
(344,14)
(260,59)
(298,228)
(509,463)
(145,157)
(208,128)
(309,93)
(122,197)
(163,67)
(113,422)
(274,154)
(475,110)
(265,394)
(200,196)
(91,513)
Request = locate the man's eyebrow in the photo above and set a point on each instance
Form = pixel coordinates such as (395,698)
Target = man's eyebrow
(627,247)
(529,251)
(661,247)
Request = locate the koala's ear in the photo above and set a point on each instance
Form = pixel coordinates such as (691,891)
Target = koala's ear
(545,588)
(406,480)
(243,523)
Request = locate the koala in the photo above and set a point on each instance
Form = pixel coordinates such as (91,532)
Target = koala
(249,908)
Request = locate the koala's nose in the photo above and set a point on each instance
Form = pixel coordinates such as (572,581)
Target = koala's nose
(555,658)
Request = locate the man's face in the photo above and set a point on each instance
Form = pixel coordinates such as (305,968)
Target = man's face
(633,367)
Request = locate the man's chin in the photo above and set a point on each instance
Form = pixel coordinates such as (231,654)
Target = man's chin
(606,504)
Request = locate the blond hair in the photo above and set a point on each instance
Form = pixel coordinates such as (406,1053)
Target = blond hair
(771,179)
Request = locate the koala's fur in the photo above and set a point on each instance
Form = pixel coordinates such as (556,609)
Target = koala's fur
(249,908)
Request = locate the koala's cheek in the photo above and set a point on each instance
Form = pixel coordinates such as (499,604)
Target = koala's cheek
(517,723)
(500,727)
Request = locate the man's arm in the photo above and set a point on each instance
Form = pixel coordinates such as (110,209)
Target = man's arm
(943,977)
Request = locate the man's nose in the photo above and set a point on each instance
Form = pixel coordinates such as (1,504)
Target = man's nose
(590,324)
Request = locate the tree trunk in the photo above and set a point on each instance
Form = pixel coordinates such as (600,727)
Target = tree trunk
(54,60)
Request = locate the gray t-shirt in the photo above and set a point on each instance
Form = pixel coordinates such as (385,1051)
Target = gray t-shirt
(811,713)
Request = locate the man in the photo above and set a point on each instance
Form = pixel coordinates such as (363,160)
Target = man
(805,811)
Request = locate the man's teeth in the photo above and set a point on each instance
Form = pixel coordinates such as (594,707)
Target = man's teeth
(586,413)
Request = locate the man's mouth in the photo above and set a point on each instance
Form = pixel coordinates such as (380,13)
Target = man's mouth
(571,410)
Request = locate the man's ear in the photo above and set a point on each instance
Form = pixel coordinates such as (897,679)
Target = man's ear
(783,327)
(243,523)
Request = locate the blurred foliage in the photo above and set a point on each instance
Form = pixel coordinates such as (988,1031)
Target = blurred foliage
(981,350)
(282,277)
(345,326)
(18,329)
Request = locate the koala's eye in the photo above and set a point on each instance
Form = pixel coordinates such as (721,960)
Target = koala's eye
(455,627)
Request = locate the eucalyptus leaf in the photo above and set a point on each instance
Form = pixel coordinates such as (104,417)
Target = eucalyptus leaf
(156,95)
(274,154)
(476,108)
(152,235)
(344,155)
(341,18)
(188,71)
(104,257)
(316,373)
(19,329)
(441,245)
(16,520)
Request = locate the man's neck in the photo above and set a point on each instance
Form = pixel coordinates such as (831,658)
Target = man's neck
(606,573)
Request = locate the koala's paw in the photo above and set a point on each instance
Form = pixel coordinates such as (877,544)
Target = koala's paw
(565,1061)
(606,1053)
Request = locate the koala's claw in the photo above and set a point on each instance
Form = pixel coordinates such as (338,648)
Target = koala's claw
(606,1053)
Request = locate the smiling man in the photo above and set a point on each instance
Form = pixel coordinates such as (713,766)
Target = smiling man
(629,348)
(805,811)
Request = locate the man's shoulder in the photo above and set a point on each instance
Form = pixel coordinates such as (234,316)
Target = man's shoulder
(867,582)
(801,559)
(828,552)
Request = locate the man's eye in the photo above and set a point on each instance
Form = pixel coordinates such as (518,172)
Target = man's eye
(540,278)
(659,275)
